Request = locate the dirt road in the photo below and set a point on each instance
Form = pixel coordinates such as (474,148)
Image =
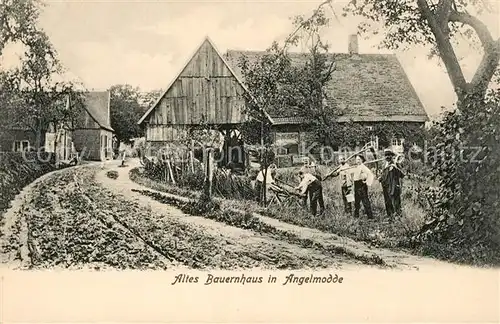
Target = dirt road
(80,218)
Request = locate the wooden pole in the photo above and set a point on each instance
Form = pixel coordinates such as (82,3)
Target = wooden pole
(191,156)
(170,171)
(264,186)
(208,173)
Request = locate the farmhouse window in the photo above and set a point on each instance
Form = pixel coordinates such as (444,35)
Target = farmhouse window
(20,146)
(397,142)
(293,149)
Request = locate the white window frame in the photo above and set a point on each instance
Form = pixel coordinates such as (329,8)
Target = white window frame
(397,141)
(21,144)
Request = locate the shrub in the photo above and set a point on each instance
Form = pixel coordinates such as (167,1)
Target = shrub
(225,185)
(17,172)
(465,158)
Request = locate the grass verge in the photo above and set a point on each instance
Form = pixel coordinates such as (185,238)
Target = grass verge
(245,220)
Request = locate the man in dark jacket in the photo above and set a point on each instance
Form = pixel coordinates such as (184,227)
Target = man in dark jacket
(390,179)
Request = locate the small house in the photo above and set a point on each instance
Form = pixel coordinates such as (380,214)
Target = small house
(92,133)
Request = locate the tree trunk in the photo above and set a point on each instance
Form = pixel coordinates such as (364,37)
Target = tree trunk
(39,138)
(117,146)
(264,187)
(208,173)
(56,139)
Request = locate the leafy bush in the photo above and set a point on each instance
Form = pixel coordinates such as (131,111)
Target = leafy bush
(17,172)
(464,223)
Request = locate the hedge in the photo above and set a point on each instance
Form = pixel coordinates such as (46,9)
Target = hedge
(18,170)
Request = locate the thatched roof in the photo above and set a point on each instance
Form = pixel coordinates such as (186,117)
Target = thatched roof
(97,105)
(363,87)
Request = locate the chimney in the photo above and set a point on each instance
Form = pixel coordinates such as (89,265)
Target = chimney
(353,44)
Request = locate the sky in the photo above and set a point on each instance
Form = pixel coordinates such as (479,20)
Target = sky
(146,43)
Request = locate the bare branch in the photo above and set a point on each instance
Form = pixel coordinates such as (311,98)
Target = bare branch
(481,29)
(446,50)
(331,68)
(300,26)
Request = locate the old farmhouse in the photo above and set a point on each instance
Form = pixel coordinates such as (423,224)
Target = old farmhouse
(91,135)
(205,92)
(365,88)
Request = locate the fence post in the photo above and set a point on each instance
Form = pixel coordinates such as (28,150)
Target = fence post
(208,173)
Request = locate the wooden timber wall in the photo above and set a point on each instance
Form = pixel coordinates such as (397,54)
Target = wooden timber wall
(205,92)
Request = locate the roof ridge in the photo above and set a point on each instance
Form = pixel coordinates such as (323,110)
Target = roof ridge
(307,53)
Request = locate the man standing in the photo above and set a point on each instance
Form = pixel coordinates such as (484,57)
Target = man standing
(310,184)
(390,179)
(362,178)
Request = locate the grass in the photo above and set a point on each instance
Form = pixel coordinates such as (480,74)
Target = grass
(378,233)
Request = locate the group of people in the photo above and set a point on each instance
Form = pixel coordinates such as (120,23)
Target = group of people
(354,183)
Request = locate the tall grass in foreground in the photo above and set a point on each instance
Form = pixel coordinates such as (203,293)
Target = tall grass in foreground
(334,220)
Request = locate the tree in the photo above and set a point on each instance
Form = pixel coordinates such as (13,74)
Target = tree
(125,112)
(464,151)
(18,21)
(149,98)
(286,88)
(423,22)
(30,96)
(32,90)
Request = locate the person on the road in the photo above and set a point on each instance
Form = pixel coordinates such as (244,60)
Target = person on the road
(390,179)
(363,178)
(309,184)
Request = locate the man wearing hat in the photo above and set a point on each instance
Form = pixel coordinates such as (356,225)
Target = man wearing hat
(390,179)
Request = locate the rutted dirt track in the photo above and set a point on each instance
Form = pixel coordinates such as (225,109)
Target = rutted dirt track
(75,219)
(80,218)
